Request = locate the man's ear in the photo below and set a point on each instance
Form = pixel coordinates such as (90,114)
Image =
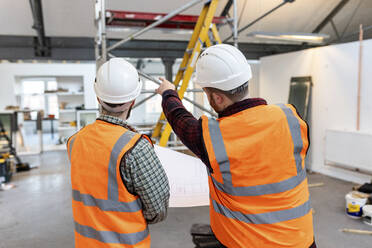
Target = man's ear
(218,97)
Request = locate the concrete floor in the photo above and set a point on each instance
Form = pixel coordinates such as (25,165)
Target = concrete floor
(37,213)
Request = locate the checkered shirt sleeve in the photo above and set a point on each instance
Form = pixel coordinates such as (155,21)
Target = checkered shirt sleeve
(144,176)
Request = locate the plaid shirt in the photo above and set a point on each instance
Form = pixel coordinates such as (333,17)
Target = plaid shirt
(189,129)
(143,175)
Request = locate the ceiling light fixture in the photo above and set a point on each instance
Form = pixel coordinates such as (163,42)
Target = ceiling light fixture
(177,31)
(118,29)
(298,37)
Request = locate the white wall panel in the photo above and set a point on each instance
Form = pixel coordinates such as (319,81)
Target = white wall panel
(334,71)
(349,148)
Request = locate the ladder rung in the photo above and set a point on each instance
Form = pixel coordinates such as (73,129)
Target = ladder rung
(189,51)
(183,68)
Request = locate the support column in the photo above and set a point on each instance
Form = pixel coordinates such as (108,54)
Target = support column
(39,129)
(168,63)
(100,39)
(235,24)
(42,46)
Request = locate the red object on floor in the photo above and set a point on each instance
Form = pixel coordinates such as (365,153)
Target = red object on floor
(144,19)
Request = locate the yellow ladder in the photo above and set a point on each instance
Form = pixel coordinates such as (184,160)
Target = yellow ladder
(198,38)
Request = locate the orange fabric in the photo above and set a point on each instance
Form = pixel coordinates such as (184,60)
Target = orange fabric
(207,142)
(90,159)
(260,149)
(296,233)
(264,203)
(94,217)
(148,138)
(81,241)
(68,143)
(304,133)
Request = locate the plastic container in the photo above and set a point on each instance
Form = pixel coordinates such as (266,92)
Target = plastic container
(367,214)
(354,205)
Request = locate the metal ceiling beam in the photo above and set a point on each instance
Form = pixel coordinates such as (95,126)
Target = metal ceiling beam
(329,17)
(335,29)
(227,7)
(259,18)
(153,25)
(41,43)
(80,48)
(354,36)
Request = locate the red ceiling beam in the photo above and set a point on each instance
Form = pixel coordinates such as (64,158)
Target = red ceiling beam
(143,19)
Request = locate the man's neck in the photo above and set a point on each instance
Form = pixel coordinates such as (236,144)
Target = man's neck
(122,117)
(232,103)
(242,105)
(245,98)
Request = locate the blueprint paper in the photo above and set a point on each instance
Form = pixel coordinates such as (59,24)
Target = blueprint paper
(187,177)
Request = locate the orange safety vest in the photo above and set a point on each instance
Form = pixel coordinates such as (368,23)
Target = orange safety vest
(105,213)
(258,188)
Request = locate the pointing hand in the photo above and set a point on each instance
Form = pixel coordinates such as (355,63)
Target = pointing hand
(165,85)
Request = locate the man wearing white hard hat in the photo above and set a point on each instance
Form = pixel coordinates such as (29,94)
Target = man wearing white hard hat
(254,155)
(118,183)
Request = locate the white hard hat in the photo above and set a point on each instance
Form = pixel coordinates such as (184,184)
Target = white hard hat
(117,82)
(222,67)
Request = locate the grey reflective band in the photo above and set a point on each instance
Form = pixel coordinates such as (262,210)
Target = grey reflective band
(295,128)
(70,145)
(273,188)
(113,193)
(263,189)
(110,237)
(264,218)
(106,205)
(220,151)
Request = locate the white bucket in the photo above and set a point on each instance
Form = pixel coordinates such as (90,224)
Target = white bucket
(367,214)
(354,205)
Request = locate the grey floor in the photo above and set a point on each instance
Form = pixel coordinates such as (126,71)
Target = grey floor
(37,212)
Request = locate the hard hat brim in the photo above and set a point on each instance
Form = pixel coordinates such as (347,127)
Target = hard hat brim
(229,83)
(118,99)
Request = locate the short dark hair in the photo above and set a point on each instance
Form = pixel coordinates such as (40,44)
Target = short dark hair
(112,105)
(234,95)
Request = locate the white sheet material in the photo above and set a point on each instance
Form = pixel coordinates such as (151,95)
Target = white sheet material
(187,176)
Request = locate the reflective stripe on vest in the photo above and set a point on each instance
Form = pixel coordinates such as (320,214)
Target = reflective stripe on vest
(264,218)
(294,126)
(285,185)
(111,237)
(113,192)
(224,163)
(70,145)
(106,205)
(112,203)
